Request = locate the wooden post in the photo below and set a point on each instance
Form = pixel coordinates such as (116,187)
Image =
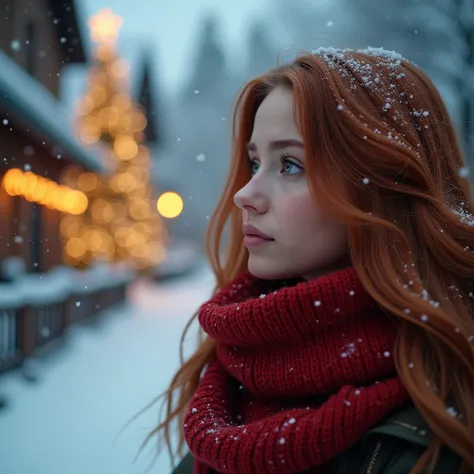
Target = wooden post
(65,315)
(27,332)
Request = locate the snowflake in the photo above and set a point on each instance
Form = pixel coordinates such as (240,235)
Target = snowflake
(464,216)
(15,45)
(451,411)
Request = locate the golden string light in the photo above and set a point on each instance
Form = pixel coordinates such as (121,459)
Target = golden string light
(44,191)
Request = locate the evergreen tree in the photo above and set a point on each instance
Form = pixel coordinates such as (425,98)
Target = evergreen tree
(210,70)
(438,35)
(261,55)
(121,222)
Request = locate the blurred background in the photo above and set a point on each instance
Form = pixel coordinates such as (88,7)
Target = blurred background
(115,121)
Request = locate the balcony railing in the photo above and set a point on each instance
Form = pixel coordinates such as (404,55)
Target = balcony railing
(38,309)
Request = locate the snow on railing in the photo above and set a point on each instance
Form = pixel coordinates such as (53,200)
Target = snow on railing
(38,308)
(59,283)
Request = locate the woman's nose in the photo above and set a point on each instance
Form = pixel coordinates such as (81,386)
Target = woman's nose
(251,198)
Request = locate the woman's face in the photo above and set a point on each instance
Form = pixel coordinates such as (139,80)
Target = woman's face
(306,241)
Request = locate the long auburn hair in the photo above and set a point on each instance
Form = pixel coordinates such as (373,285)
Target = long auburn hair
(382,155)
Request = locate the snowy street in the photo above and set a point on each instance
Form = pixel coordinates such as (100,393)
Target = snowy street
(67,422)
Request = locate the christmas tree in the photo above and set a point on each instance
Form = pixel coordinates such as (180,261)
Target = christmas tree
(121,222)
(261,55)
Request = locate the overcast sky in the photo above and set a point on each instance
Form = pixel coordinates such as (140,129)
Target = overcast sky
(171,27)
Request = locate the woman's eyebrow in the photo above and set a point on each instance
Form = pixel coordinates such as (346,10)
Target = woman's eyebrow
(277,145)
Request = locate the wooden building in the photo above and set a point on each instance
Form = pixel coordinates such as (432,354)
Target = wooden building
(37,39)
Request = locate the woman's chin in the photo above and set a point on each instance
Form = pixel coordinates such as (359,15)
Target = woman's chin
(264,271)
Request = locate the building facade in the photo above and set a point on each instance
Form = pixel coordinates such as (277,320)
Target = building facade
(39,296)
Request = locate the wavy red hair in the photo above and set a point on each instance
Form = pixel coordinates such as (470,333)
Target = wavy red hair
(393,172)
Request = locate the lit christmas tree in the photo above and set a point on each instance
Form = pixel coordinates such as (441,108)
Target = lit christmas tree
(121,222)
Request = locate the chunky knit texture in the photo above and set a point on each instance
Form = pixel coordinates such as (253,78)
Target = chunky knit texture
(300,374)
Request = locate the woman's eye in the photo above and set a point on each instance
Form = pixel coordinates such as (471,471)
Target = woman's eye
(253,166)
(289,166)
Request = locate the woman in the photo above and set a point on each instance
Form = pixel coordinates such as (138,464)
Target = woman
(340,333)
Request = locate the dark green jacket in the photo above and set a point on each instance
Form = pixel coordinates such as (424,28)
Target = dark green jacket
(393,447)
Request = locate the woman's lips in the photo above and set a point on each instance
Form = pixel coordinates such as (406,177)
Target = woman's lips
(255,240)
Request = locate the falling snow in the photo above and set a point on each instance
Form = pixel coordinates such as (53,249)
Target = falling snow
(349,350)
(464,216)
(15,45)
(451,411)
(464,172)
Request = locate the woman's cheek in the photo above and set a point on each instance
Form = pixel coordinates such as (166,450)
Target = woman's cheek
(300,210)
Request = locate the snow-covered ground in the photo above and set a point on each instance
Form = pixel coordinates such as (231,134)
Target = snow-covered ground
(68,422)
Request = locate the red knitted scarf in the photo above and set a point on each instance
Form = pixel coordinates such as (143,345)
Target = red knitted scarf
(300,374)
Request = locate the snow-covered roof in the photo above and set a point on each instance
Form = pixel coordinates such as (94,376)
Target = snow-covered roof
(32,103)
